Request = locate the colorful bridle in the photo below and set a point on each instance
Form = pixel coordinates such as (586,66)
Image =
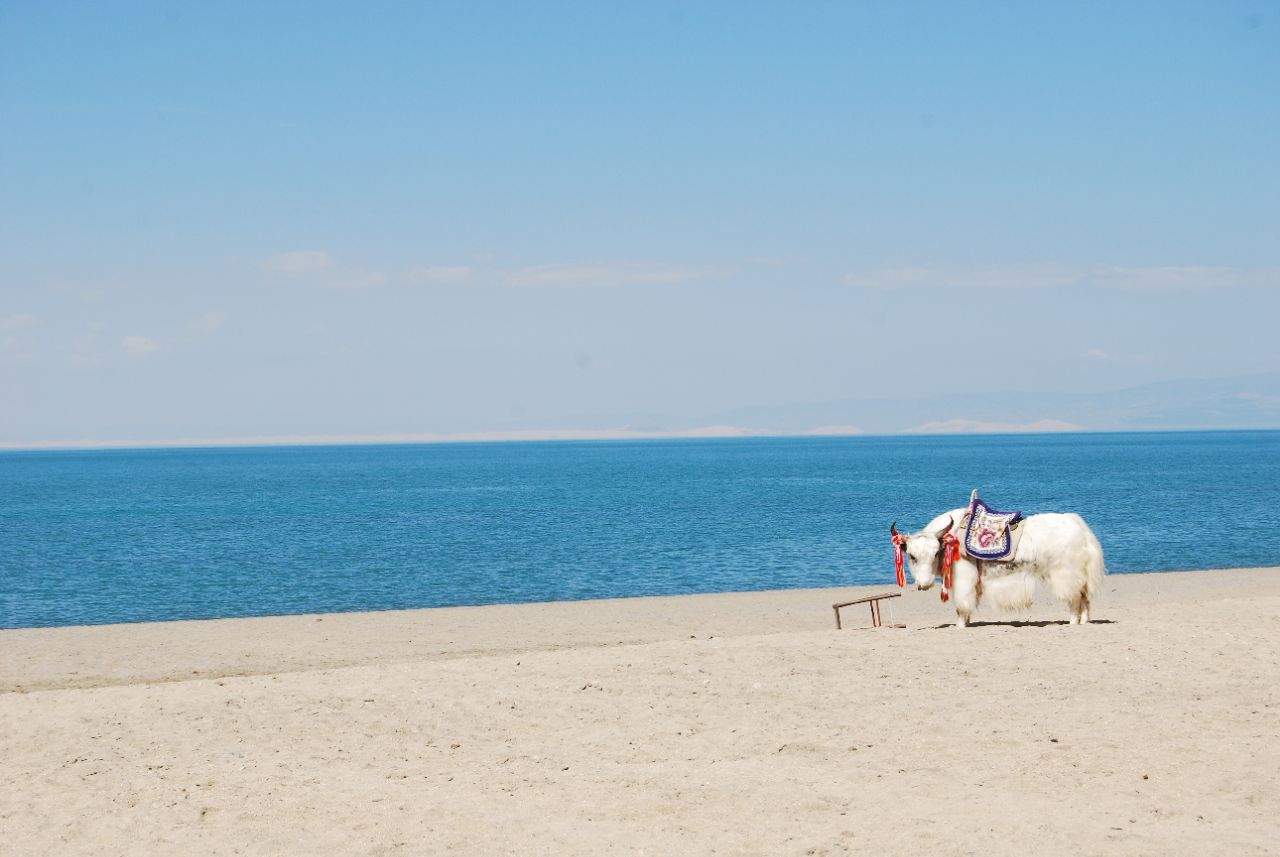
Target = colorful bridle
(950,553)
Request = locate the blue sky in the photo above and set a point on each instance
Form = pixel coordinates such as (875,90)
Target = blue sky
(261,220)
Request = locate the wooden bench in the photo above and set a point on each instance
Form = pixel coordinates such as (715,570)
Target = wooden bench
(874,602)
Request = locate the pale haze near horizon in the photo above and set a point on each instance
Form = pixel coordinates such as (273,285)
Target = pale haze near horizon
(318,220)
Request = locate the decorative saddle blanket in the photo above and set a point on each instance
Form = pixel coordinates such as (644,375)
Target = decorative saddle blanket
(989,534)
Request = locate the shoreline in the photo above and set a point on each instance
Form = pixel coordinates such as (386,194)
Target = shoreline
(857,588)
(104,655)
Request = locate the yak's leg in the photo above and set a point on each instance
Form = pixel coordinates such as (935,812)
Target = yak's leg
(964,591)
(1069,585)
(1079,609)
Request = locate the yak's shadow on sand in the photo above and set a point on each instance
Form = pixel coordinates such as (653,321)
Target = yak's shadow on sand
(1018,623)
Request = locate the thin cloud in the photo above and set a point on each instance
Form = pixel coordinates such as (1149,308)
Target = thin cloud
(989,277)
(17,322)
(139,346)
(318,268)
(354,279)
(439,274)
(1161,278)
(607,275)
(209,323)
(298,262)
(12,350)
(1097,354)
(1185,277)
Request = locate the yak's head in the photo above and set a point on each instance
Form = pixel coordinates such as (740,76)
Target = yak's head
(924,552)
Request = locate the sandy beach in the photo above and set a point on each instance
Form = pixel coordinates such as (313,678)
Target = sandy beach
(736,724)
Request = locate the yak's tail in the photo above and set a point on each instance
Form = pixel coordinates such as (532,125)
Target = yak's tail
(1095,566)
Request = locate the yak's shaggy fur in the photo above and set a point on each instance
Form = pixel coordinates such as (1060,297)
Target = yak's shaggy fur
(1059,549)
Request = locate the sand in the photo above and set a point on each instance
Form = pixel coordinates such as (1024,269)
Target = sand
(740,724)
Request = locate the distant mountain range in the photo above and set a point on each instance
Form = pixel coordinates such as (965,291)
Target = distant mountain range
(1243,402)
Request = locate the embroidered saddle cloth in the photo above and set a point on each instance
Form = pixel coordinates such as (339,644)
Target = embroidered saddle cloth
(989,534)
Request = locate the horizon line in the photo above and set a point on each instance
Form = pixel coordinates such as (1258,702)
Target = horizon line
(568,435)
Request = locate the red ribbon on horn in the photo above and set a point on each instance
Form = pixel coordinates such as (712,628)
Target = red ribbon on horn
(950,553)
(898,542)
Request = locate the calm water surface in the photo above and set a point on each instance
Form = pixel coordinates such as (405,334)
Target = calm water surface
(124,536)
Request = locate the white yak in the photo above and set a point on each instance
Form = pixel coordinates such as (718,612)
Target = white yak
(1059,549)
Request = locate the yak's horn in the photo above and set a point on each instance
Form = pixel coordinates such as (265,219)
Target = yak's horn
(893,528)
(950,523)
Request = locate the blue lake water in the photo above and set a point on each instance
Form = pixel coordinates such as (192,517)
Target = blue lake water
(136,535)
